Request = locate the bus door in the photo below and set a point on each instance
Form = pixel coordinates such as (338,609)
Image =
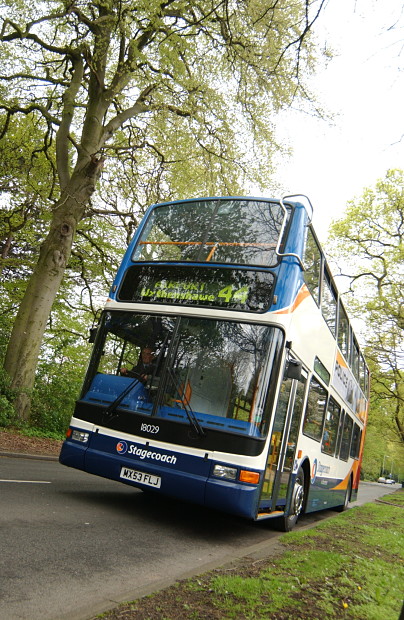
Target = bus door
(281,455)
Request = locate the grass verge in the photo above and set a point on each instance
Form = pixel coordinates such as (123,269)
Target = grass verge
(26,430)
(350,566)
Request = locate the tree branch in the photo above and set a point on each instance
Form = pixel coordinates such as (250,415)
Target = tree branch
(29,36)
(138,108)
(62,136)
(31,108)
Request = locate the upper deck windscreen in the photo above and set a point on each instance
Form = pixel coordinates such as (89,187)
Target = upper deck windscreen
(243,232)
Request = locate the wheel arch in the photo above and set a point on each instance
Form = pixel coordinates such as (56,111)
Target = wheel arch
(351,477)
(305,466)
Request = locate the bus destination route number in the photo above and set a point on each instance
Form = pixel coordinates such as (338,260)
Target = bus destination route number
(219,287)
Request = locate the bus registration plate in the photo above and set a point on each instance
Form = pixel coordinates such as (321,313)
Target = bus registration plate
(141,476)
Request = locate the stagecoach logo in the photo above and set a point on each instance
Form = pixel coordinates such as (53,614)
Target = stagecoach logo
(121,447)
(318,468)
(313,471)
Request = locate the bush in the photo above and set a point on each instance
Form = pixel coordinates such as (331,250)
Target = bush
(7,414)
(6,411)
(56,390)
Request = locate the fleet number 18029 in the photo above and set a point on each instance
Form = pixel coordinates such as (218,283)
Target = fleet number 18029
(149,428)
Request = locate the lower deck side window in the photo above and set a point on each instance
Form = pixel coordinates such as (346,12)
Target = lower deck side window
(346,438)
(331,425)
(316,402)
(356,441)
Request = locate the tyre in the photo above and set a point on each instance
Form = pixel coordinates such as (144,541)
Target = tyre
(287,523)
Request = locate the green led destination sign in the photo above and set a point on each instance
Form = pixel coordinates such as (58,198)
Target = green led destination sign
(217,287)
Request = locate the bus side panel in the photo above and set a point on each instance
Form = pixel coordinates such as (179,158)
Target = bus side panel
(322,494)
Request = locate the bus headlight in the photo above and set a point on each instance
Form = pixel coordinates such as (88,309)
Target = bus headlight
(222,471)
(80,436)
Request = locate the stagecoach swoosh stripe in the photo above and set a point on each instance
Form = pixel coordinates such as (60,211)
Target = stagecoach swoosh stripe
(344,483)
(341,360)
(302,294)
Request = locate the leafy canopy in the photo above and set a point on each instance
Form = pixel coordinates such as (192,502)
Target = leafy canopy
(189,78)
(370,240)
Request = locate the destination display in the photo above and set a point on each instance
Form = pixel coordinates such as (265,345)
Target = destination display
(218,287)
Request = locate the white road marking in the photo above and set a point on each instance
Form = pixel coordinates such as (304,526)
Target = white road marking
(28,481)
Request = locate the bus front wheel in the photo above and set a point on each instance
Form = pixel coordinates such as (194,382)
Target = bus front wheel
(287,523)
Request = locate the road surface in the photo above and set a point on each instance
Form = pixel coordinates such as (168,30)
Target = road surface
(73,545)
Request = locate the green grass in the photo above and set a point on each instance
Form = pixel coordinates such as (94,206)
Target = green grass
(350,566)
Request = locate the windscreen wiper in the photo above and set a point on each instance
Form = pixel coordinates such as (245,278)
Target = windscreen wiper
(168,372)
(193,420)
(110,410)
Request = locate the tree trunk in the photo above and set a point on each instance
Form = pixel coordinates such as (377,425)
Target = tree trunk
(30,324)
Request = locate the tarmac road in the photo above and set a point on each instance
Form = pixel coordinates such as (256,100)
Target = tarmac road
(73,545)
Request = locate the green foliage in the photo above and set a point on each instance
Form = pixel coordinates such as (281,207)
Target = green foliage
(53,402)
(378,446)
(58,383)
(7,414)
(369,240)
(24,185)
(207,81)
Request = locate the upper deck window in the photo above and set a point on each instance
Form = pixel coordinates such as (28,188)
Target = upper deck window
(243,232)
(343,331)
(355,358)
(312,261)
(329,301)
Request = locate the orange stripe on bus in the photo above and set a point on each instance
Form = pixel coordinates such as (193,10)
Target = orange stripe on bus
(341,360)
(342,486)
(210,243)
(302,294)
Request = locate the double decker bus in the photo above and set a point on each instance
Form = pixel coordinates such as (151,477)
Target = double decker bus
(225,370)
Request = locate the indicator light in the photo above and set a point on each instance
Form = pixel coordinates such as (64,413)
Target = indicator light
(252,477)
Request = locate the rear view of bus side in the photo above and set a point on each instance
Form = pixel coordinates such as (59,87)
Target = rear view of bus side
(225,370)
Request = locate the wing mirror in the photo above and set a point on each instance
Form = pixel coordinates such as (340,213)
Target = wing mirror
(293,369)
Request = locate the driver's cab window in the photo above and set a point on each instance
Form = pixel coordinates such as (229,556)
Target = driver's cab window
(118,353)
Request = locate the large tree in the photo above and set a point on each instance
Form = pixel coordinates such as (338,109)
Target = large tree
(102,77)
(370,239)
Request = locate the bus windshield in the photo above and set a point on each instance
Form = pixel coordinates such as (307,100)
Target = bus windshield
(244,232)
(182,368)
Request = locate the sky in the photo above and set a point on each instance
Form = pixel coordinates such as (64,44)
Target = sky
(363,87)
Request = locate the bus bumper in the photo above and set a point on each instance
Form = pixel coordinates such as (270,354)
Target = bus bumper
(183,476)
